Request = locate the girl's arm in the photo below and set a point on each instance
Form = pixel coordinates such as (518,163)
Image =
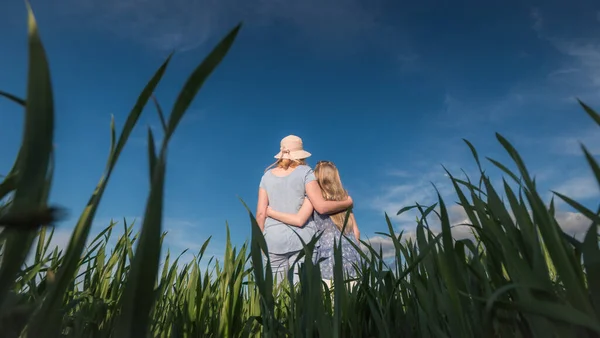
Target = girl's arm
(261,208)
(322,206)
(355,228)
(298,219)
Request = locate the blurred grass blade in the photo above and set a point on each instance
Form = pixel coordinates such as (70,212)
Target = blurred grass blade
(591,260)
(474,153)
(594,217)
(139,300)
(592,113)
(151,154)
(161,116)
(48,314)
(593,164)
(34,161)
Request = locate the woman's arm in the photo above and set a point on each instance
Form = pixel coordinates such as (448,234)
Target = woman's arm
(298,219)
(261,208)
(322,206)
(355,228)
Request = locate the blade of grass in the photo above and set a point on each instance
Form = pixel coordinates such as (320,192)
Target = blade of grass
(138,300)
(591,261)
(197,79)
(36,148)
(13,98)
(592,113)
(47,315)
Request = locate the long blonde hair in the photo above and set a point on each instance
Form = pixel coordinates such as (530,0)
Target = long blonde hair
(328,177)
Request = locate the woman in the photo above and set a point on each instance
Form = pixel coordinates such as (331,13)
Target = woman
(331,226)
(285,188)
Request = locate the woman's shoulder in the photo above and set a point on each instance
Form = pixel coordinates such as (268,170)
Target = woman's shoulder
(300,169)
(304,168)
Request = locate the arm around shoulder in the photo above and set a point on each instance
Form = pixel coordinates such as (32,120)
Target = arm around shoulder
(298,219)
(322,206)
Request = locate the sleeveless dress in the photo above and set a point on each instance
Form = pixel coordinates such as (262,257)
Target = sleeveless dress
(324,251)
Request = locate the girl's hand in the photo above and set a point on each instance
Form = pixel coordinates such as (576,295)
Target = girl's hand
(269,211)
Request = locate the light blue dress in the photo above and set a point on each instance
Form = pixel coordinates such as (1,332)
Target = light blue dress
(324,251)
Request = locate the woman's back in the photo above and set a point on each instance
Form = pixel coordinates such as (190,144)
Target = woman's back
(286,193)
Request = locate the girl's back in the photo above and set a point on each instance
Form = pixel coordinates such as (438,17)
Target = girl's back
(330,235)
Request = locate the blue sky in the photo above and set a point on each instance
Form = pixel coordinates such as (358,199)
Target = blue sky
(386,90)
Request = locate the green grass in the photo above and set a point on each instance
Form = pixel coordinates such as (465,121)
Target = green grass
(521,276)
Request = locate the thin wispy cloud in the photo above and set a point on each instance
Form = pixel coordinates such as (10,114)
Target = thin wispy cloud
(187,24)
(398,173)
(576,75)
(579,74)
(408,187)
(571,144)
(177,24)
(579,188)
(187,234)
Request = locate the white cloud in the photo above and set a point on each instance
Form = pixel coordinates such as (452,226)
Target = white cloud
(457,217)
(385,243)
(397,197)
(415,186)
(418,189)
(573,223)
(578,188)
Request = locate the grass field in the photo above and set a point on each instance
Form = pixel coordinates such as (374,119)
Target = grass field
(521,276)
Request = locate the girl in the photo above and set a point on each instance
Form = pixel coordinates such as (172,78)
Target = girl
(331,226)
(284,188)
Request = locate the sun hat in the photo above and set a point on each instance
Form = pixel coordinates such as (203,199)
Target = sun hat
(291,147)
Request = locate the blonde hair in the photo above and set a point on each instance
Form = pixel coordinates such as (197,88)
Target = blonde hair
(286,163)
(332,189)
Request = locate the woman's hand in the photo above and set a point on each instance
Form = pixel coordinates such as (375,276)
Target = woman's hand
(269,211)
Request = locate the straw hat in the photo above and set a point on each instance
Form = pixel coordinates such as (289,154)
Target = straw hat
(291,148)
